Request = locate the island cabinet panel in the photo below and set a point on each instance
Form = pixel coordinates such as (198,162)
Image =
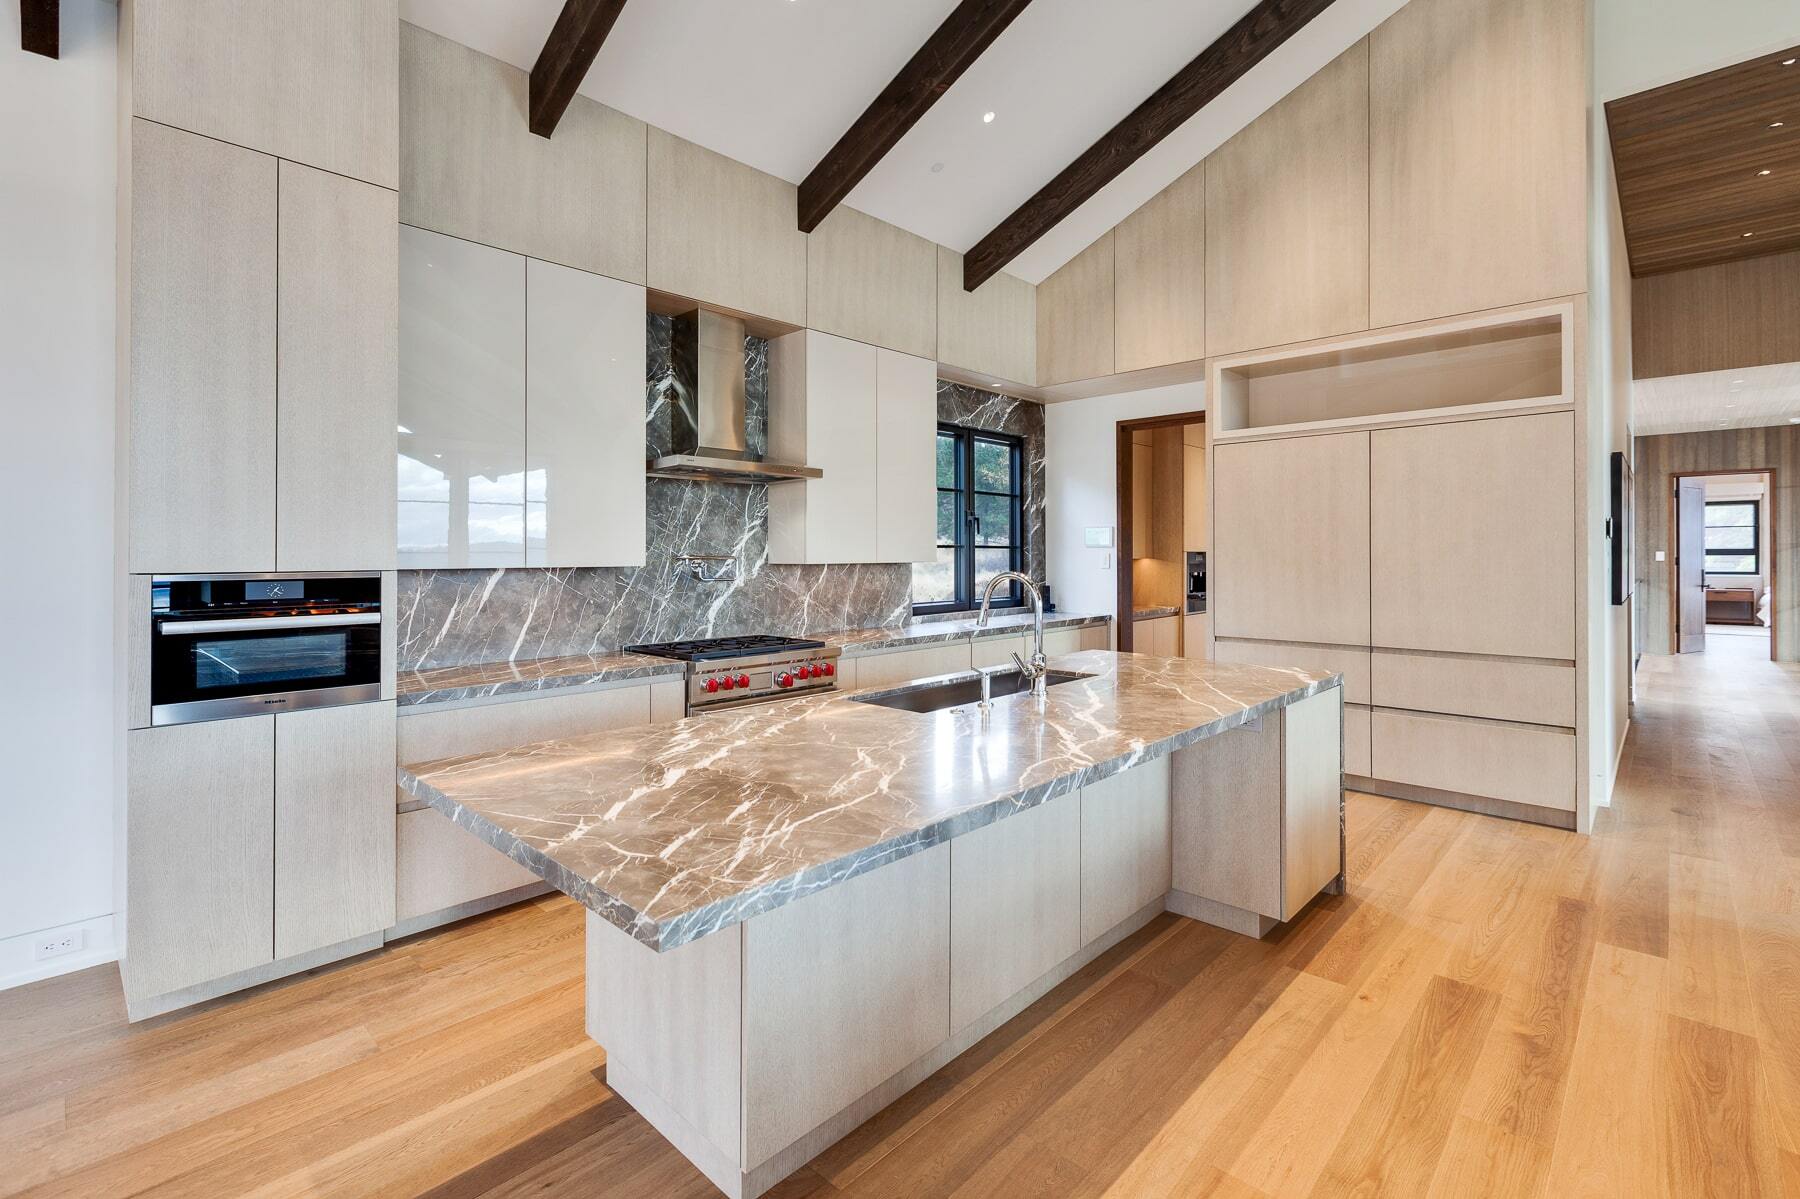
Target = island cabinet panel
(1016,886)
(471,167)
(1075,317)
(906,458)
(991,330)
(1227,818)
(723,233)
(872,281)
(202,408)
(338,384)
(584,372)
(1159,259)
(1517,763)
(824,411)
(1312,798)
(857,976)
(200,853)
(1473,537)
(1125,846)
(1291,539)
(334,826)
(309,80)
(462,403)
(1477,156)
(901,666)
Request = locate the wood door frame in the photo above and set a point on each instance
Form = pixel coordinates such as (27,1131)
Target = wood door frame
(1769,540)
(1122,551)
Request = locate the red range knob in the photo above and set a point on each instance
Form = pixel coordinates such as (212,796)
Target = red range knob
(784,679)
(743,680)
(728,682)
(830,669)
(817,670)
(712,684)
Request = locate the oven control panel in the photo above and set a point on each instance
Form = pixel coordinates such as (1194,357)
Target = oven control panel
(716,683)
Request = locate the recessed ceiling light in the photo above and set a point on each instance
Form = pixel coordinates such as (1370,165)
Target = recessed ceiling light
(936,167)
(1788,62)
(1764,171)
(1794,420)
(1776,124)
(1749,235)
(987,118)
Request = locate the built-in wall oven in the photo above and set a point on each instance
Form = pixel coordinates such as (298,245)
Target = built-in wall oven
(236,645)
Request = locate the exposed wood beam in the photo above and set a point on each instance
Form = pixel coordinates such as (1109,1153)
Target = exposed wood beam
(40,27)
(969,29)
(574,40)
(1218,66)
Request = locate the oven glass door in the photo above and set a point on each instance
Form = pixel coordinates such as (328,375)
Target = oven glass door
(192,665)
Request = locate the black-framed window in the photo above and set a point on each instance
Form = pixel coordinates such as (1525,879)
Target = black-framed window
(980,520)
(1733,538)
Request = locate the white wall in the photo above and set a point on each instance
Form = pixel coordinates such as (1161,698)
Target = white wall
(1081,470)
(57,148)
(1642,44)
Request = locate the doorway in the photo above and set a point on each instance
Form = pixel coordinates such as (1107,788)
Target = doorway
(1162,541)
(1722,576)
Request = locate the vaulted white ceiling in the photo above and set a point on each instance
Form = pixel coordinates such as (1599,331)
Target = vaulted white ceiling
(774,83)
(1746,398)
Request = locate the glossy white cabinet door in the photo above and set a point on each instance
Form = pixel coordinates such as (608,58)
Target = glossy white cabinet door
(822,411)
(462,403)
(906,443)
(584,418)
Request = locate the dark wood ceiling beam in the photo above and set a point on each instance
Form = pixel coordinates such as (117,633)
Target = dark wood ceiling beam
(969,29)
(1221,64)
(40,27)
(574,40)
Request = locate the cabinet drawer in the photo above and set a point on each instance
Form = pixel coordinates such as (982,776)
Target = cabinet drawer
(427,736)
(1512,762)
(1350,661)
(439,866)
(902,666)
(1061,641)
(1533,692)
(998,651)
(1356,740)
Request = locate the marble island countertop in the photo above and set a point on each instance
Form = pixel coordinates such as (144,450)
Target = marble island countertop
(674,831)
(485,679)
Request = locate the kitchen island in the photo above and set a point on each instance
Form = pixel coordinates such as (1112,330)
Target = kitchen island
(800,910)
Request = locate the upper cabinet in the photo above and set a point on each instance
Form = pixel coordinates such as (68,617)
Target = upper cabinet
(1193,487)
(723,233)
(307,80)
(1075,317)
(202,446)
(1478,168)
(1159,260)
(870,281)
(906,440)
(338,386)
(1287,202)
(521,410)
(992,330)
(471,168)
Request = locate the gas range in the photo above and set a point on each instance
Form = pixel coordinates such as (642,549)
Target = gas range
(730,672)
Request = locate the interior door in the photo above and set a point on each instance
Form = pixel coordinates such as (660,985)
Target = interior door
(1690,562)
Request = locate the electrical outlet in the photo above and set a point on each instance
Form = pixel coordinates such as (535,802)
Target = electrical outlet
(56,945)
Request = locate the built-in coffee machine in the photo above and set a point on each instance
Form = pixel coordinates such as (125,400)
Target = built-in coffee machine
(1196,586)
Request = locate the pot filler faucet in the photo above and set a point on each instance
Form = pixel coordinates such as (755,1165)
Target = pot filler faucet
(1035,670)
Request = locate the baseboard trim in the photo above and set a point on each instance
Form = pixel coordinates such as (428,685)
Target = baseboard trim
(1481,805)
(462,911)
(158,1005)
(19,965)
(1220,915)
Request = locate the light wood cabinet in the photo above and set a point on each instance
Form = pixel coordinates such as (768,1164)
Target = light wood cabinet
(462,403)
(312,81)
(1159,260)
(1473,537)
(998,651)
(991,330)
(1159,636)
(1517,763)
(1477,123)
(1287,217)
(1096,637)
(1521,689)
(338,383)
(199,853)
(1193,491)
(903,666)
(723,233)
(823,410)
(1075,317)
(334,825)
(440,867)
(1357,758)
(871,281)
(1291,539)
(471,167)
(584,383)
(1195,632)
(1143,474)
(202,457)
(1125,845)
(906,458)
(1017,909)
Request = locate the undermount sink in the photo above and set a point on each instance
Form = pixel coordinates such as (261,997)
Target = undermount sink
(961,689)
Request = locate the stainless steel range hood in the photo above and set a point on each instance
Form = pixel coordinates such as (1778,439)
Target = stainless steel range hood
(708,439)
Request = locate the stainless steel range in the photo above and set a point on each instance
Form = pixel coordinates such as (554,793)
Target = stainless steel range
(730,672)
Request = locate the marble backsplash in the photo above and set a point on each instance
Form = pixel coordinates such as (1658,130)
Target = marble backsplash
(458,617)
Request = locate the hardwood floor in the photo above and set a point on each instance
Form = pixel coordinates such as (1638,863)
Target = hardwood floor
(1493,1009)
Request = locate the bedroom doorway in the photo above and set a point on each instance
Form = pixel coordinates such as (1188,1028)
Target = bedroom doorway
(1723,572)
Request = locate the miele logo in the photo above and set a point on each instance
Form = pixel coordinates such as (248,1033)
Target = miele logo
(280,699)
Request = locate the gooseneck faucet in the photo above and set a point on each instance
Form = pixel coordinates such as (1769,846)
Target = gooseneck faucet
(1035,670)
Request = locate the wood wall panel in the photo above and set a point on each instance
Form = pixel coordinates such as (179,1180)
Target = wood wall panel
(1287,202)
(871,281)
(1716,318)
(991,330)
(1656,459)
(1075,317)
(1159,261)
(1477,156)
